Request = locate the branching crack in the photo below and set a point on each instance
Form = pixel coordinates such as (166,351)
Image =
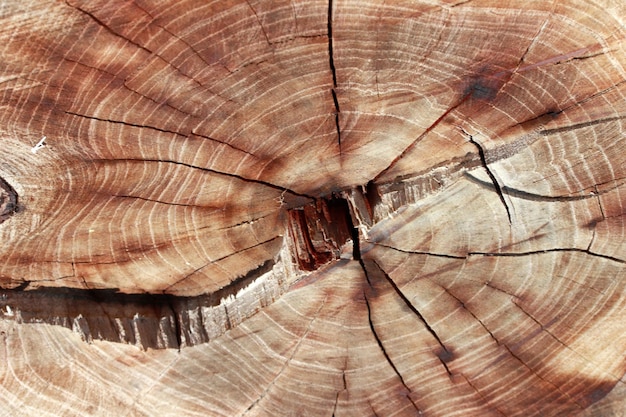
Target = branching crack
(378,340)
(446,354)
(505,347)
(106,27)
(496,185)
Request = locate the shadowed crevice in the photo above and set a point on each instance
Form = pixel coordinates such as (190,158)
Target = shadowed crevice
(8,200)
(147,320)
(319,230)
(526,195)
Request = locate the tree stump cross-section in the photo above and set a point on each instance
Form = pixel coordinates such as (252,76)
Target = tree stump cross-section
(339,207)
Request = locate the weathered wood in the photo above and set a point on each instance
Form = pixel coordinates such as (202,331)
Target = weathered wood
(312,208)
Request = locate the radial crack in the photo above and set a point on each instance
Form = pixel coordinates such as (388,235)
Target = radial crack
(227,174)
(439,255)
(446,354)
(496,185)
(187,44)
(99,119)
(464,98)
(106,27)
(259,22)
(378,341)
(504,345)
(211,262)
(154,201)
(577,126)
(331,61)
(233,147)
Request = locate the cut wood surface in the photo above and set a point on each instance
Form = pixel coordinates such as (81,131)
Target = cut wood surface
(346,208)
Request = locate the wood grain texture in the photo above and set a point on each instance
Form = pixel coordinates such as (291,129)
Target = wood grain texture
(313,208)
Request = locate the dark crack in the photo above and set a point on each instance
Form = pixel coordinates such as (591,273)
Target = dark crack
(525,195)
(554,131)
(594,95)
(157,129)
(176,322)
(446,354)
(413,252)
(377,338)
(336,402)
(504,345)
(172,132)
(242,223)
(150,200)
(333,70)
(107,314)
(336,102)
(470,92)
(551,250)
(380,342)
(106,27)
(236,282)
(99,119)
(187,44)
(222,142)
(461,3)
(345,386)
(496,184)
(227,174)
(256,16)
(544,328)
